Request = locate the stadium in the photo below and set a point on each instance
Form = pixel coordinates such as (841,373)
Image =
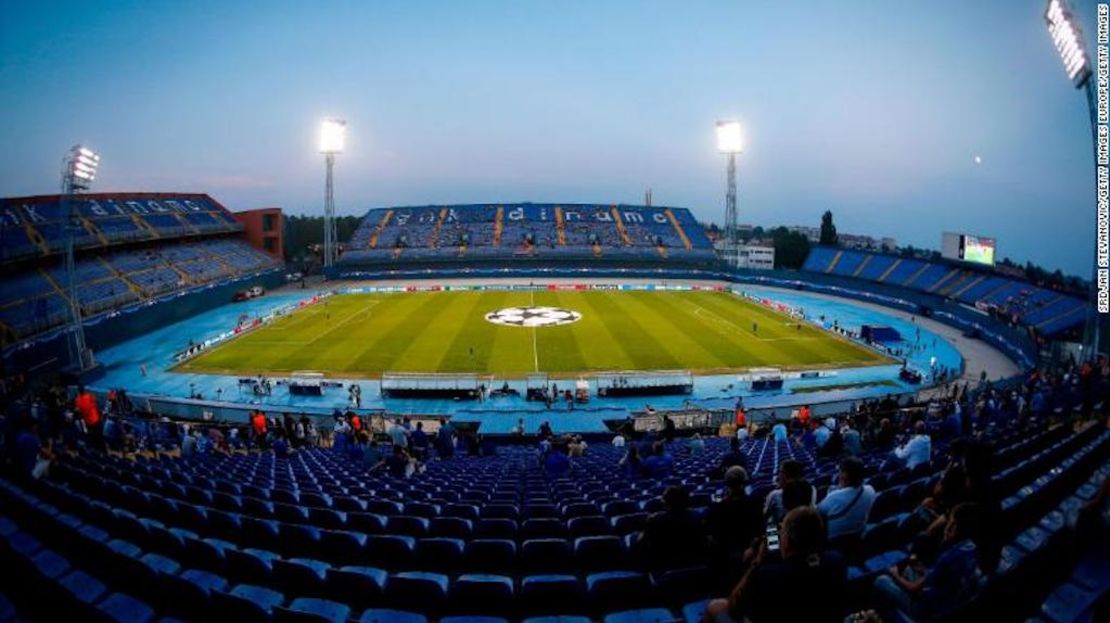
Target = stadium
(503,411)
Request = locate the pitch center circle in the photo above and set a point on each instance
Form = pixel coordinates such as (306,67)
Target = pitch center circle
(533,316)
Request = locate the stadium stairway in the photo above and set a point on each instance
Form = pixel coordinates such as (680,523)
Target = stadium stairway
(678,230)
(621,230)
(373,242)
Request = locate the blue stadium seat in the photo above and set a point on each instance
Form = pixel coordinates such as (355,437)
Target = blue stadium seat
(617,589)
(377,615)
(473,593)
(361,586)
(311,610)
(649,615)
(552,594)
(418,590)
(123,608)
(246,603)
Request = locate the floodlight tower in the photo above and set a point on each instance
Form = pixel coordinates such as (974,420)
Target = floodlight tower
(333,134)
(1068,39)
(78,172)
(729,142)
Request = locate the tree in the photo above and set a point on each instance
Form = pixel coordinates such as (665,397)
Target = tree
(828,230)
(791,248)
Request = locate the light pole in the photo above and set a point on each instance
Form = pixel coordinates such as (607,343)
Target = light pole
(332,137)
(78,172)
(1067,36)
(729,142)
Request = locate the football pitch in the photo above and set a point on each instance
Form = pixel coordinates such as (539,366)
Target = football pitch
(495,332)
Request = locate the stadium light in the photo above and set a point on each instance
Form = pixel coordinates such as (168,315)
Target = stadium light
(1067,36)
(333,136)
(730,142)
(78,172)
(729,139)
(79,169)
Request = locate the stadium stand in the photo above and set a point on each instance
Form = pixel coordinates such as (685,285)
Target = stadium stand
(133,248)
(237,530)
(397,236)
(1019,302)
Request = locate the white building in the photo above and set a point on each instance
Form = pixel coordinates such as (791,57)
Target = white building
(750,256)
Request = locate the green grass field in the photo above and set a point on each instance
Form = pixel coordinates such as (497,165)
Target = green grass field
(363,335)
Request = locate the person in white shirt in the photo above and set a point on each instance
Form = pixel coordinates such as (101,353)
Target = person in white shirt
(618,441)
(846,506)
(918,450)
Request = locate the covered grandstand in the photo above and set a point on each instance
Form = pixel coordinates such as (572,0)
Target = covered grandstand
(1048,311)
(132,249)
(476,234)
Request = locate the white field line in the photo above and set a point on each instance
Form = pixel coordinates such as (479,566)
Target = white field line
(365,311)
(708,315)
(535,348)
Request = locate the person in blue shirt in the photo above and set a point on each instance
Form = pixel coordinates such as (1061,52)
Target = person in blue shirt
(418,441)
(556,463)
(845,507)
(660,463)
(28,449)
(923,592)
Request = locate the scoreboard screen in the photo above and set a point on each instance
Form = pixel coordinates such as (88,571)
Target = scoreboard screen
(967,248)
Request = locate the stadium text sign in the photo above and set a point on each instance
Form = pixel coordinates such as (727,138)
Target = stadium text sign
(1102,155)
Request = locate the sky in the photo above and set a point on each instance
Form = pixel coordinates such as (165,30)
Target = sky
(873,109)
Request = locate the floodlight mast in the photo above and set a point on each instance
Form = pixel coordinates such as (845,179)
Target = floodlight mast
(1067,36)
(78,172)
(729,143)
(332,138)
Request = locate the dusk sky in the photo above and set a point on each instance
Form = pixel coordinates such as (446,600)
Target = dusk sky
(875,110)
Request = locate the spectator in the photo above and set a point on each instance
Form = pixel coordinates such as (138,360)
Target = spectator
(556,463)
(672,537)
(618,441)
(924,592)
(918,450)
(189,443)
(32,460)
(697,444)
(735,520)
(371,454)
(660,463)
(630,463)
(399,434)
(399,463)
(418,439)
(791,476)
(778,431)
(280,444)
(733,458)
(445,439)
(850,435)
(803,583)
(518,430)
(846,506)
(85,406)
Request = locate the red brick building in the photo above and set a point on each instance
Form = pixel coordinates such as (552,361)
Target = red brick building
(264,229)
